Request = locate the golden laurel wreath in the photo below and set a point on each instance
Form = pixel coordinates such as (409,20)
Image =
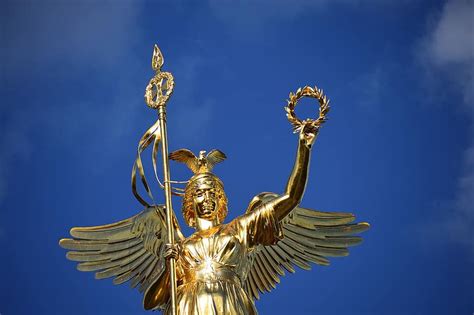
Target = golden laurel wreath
(307,91)
(155,96)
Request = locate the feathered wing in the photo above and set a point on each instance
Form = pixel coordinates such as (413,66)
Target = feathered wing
(309,237)
(127,250)
(214,157)
(187,157)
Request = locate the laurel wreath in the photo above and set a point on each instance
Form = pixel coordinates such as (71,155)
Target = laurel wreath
(156,98)
(307,91)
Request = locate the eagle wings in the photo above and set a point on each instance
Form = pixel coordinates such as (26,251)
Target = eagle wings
(130,250)
(309,236)
(203,163)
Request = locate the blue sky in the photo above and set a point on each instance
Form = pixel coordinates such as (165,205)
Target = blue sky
(398,150)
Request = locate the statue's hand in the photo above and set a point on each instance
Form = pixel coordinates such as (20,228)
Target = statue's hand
(308,134)
(171,251)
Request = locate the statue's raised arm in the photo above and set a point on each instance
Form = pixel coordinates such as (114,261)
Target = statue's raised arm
(299,176)
(289,235)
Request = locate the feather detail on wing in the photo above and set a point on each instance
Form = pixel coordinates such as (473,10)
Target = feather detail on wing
(309,237)
(187,157)
(127,250)
(214,157)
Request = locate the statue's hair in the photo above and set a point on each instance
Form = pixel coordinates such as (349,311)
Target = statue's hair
(188,210)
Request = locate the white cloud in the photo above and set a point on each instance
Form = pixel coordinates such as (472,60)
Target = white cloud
(447,52)
(451,40)
(448,48)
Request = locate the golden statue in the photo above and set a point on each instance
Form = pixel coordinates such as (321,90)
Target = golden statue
(222,267)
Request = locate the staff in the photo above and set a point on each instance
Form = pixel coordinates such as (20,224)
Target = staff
(157,94)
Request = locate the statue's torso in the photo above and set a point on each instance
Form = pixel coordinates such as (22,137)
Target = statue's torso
(212,265)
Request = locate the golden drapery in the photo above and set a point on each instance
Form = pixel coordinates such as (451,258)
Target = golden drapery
(213,265)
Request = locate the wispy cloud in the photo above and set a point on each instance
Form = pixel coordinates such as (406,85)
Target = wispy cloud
(447,52)
(43,41)
(58,39)
(369,87)
(56,32)
(254,14)
(249,18)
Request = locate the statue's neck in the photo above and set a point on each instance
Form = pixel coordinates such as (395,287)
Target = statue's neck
(203,224)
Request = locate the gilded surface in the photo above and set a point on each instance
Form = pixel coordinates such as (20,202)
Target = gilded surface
(213,262)
(222,267)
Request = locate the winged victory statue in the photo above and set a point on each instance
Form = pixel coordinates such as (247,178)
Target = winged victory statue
(222,268)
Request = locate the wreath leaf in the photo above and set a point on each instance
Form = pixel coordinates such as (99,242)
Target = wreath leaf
(307,91)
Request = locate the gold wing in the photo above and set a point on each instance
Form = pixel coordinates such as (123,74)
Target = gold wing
(309,237)
(214,157)
(128,250)
(187,157)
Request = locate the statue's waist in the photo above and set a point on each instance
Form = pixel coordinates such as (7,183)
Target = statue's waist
(211,275)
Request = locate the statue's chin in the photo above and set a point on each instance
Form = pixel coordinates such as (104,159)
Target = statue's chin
(207,215)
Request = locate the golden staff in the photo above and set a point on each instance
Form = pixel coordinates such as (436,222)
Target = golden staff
(157,94)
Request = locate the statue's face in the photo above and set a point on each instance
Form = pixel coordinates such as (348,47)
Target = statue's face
(205,201)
